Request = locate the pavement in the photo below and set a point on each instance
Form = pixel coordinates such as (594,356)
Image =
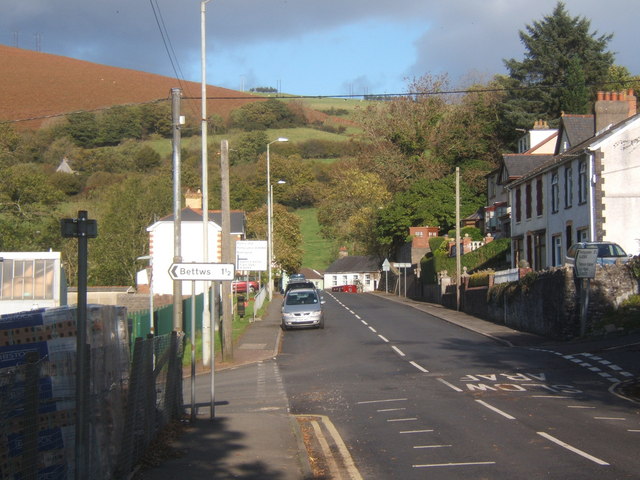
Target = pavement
(251,434)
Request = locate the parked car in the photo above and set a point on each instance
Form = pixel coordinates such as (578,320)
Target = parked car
(297,277)
(608,252)
(304,284)
(302,308)
(240,286)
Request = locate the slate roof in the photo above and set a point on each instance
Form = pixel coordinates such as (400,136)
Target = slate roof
(519,164)
(355,263)
(577,129)
(311,273)
(195,215)
(577,149)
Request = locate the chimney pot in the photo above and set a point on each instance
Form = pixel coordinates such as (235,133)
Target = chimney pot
(600,95)
(607,95)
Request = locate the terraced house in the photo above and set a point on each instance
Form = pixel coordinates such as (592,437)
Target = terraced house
(589,190)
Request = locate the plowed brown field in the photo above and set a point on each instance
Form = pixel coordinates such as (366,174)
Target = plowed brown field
(36,87)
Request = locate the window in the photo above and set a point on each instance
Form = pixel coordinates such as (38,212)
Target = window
(334,280)
(367,279)
(568,187)
(345,280)
(557,250)
(518,205)
(540,250)
(27,279)
(555,193)
(582,182)
(583,235)
(527,194)
(539,207)
(518,251)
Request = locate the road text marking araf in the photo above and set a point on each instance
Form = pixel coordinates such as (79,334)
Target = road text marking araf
(514,382)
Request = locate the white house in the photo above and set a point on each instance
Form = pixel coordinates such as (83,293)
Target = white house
(161,243)
(353,270)
(589,191)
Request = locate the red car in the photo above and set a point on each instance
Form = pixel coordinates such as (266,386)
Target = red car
(240,286)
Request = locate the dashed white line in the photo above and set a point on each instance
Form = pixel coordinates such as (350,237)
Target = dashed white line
(453,387)
(365,402)
(579,406)
(419,367)
(572,449)
(410,419)
(416,431)
(372,329)
(383,338)
(390,409)
(460,464)
(634,431)
(398,351)
(364,323)
(497,410)
(431,446)
(617,419)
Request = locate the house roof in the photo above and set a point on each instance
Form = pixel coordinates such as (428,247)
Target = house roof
(311,273)
(576,129)
(517,165)
(354,263)
(195,215)
(577,150)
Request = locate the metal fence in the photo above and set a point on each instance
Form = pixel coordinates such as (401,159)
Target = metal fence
(130,402)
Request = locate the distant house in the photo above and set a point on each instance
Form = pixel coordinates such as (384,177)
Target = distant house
(588,191)
(64,167)
(161,242)
(354,270)
(314,276)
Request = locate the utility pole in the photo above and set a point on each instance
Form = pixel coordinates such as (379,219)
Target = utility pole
(207,332)
(176,123)
(458,252)
(227,327)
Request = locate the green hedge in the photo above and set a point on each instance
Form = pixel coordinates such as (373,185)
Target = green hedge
(492,256)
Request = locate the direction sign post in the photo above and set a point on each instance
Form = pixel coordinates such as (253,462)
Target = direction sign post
(202,271)
(585,269)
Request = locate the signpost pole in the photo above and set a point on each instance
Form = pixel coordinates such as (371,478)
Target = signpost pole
(193,351)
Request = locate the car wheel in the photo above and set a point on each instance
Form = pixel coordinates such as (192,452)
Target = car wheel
(283,326)
(321,324)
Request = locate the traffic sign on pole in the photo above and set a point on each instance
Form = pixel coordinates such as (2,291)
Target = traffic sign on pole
(202,271)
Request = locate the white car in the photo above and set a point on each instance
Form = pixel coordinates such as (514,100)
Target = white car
(302,307)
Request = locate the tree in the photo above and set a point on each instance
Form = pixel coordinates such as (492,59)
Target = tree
(83,128)
(557,46)
(287,238)
(426,203)
(131,206)
(349,208)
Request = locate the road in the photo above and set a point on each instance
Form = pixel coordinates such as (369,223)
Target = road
(412,396)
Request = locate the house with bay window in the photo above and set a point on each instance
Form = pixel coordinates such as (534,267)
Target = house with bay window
(588,191)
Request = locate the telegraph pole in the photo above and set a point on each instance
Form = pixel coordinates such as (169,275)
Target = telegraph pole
(176,122)
(227,327)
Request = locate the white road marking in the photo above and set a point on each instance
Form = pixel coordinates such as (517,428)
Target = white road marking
(497,410)
(579,406)
(619,419)
(383,401)
(431,446)
(398,351)
(549,396)
(390,409)
(461,464)
(364,323)
(634,431)
(383,338)
(417,431)
(453,387)
(419,367)
(572,449)
(410,419)
(372,329)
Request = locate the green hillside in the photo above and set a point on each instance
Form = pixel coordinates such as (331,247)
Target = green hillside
(318,252)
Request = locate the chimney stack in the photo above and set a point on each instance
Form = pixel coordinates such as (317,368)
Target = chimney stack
(612,108)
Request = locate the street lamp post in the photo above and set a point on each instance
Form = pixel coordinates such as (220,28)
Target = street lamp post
(269,220)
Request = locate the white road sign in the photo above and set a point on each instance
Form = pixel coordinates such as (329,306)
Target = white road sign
(401,265)
(585,262)
(202,271)
(251,255)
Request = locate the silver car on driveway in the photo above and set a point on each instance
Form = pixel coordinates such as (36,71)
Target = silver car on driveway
(302,307)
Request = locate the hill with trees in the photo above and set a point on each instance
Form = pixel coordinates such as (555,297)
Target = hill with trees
(370,169)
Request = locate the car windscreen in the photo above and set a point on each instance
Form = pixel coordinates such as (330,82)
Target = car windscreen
(610,250)
(301,298)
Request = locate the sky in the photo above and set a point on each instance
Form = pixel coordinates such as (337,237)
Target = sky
(305,47)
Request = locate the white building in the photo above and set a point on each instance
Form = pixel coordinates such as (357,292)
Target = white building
(589,191)
(161,243)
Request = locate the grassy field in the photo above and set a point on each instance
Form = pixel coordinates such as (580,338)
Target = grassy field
(318,252)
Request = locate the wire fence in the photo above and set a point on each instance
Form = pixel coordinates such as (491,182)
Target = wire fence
(133,394)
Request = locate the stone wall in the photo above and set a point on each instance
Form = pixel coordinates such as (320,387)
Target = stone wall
(545,302)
